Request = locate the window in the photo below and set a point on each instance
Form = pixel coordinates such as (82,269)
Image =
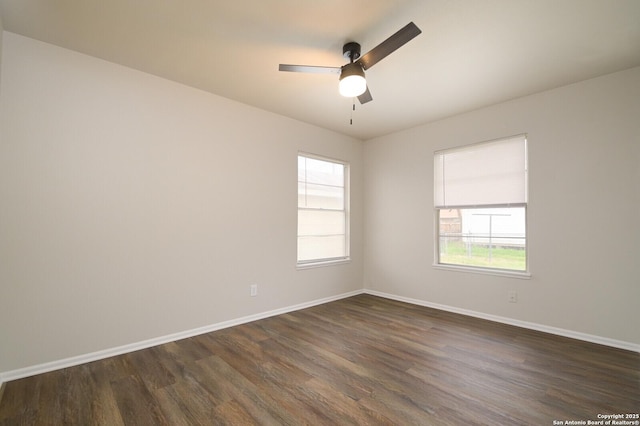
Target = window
(323,219)
(480,197)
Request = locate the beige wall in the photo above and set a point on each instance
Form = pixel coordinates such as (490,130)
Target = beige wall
(584,210)
(133,207)
(1,34)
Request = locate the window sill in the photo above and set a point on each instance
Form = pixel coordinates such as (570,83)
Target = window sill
(323,263)
(484,271)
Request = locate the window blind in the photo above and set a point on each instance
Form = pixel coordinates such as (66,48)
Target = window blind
(483,174)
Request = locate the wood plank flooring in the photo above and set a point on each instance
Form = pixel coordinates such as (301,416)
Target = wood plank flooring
(362,361)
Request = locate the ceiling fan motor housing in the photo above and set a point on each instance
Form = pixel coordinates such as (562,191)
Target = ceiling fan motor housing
(351,51)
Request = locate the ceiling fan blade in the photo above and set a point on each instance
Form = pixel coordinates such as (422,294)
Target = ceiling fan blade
(310,69)
(365,97)
(388,46)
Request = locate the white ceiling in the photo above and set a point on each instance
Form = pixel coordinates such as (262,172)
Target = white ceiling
(471,53)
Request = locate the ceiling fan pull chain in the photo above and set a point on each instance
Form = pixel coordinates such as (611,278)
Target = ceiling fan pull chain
(352,109)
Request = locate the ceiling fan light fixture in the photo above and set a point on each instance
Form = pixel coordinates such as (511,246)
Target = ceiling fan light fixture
(352,81)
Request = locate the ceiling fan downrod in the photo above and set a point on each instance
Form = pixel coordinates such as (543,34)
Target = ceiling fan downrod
(351,51)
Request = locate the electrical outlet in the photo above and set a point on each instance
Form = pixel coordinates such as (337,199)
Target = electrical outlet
(253,290)
(512,296)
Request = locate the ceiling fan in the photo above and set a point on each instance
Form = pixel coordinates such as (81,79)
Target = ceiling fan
(352,81)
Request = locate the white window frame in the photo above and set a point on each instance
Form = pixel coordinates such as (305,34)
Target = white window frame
(482,269)
(345,258)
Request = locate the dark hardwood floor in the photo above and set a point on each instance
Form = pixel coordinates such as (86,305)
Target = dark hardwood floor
(361,360)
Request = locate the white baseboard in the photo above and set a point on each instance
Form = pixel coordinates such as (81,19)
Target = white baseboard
(95,356)
(510,321)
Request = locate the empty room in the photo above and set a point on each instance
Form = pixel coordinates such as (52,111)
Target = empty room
(384,212)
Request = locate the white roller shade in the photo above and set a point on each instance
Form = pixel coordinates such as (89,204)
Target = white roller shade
(489,173)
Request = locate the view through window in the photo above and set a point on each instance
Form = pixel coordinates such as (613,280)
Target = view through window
(484,237)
